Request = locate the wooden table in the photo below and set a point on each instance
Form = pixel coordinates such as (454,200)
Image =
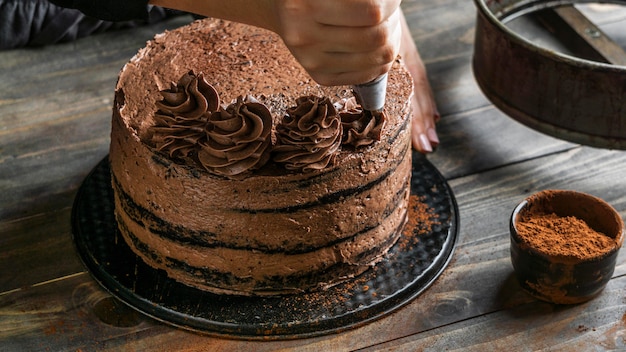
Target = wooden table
(55,107)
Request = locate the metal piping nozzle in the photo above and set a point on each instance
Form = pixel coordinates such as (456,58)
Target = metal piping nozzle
(371,95)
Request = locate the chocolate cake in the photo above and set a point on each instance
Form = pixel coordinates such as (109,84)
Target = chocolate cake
(236,173)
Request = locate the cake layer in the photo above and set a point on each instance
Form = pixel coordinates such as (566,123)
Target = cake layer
(246,269)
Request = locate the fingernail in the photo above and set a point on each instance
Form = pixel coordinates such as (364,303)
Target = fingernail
(432,136)
(425,143)
(437,116)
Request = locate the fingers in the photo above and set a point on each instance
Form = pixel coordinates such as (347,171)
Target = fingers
(424,114)
(336,63)
(342,42)
(424,136)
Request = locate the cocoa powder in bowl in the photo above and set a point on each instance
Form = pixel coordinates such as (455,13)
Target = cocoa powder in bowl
(564,245)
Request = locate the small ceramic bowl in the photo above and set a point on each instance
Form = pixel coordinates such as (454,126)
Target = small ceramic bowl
(555,257)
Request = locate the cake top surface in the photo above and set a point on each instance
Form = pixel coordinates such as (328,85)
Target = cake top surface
(240,63)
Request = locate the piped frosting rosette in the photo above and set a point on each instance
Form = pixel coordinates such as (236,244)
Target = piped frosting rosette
(231,141)
(360,128)
(182,114)
(238,138)
(309,136)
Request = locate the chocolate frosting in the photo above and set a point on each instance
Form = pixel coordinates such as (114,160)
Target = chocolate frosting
(238,138)
(182,114)
(361,128)
(309,136)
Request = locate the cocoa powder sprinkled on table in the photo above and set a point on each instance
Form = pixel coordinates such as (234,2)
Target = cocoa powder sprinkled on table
(562,236)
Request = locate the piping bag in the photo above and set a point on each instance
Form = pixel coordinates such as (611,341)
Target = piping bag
(371,95)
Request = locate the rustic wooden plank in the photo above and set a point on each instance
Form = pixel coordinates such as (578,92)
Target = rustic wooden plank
(446,46)
(597,325)
(47,177)
(36,249)
(57,315)
(55,116)
(447,49)
(37,186)
(86,67)
(441,29)
(454,86)
(485,138)
(477,284)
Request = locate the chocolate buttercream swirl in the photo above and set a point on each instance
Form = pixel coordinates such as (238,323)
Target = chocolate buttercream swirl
(190,98)
(360,127)
(182,115)
(238,138)
(309,136)
(177,138)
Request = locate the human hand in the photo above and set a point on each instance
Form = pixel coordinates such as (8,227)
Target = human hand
(338,42)
(348,42)
(341,42)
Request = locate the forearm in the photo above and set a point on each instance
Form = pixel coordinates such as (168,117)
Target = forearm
(260,13)
(109,10)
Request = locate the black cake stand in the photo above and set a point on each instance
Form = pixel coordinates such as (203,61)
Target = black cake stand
(410,267)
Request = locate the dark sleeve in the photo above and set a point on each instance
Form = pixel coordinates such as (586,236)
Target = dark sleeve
(38,22)
(109,10)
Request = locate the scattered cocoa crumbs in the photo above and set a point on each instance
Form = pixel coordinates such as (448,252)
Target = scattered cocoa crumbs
(420,220)
(562,236)
(347,290)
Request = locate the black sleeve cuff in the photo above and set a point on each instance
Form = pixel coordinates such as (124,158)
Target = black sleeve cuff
(109,10)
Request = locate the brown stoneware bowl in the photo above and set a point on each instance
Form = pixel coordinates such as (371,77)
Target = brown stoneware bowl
(564,245)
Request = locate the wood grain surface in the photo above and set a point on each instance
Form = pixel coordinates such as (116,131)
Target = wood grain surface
(55,111)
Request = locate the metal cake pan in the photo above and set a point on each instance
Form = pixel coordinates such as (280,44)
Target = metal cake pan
(564,96)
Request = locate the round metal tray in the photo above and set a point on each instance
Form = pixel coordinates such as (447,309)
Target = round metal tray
(566,97)
(407,270)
